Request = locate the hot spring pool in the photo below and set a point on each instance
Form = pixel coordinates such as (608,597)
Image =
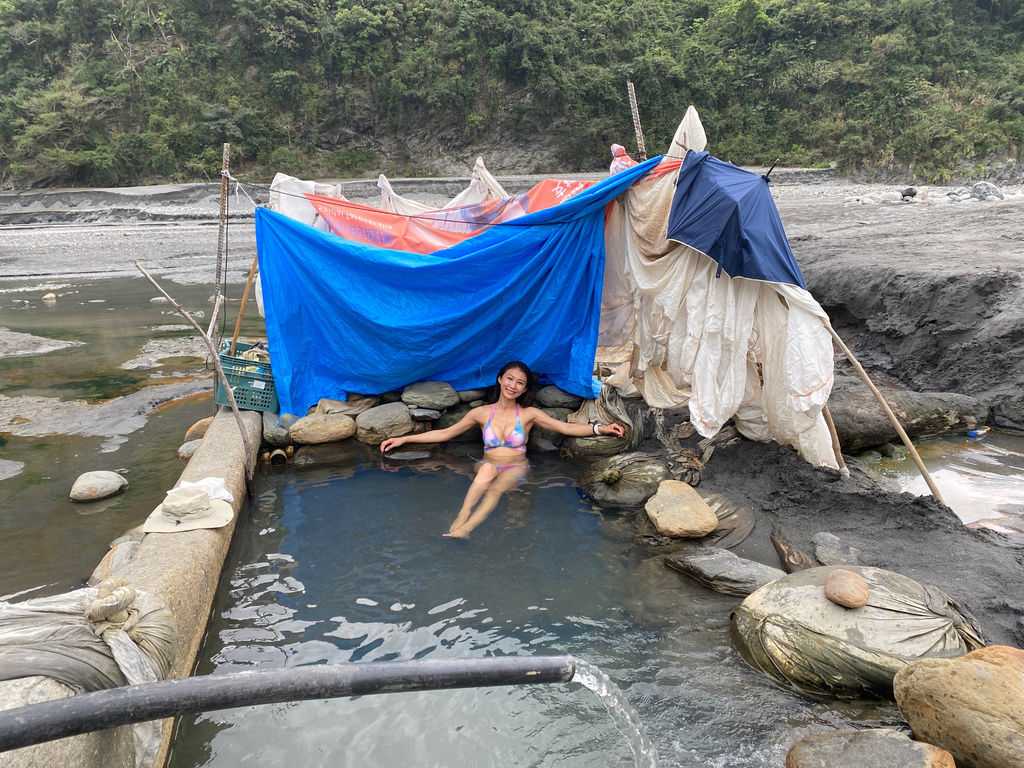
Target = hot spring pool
(346,563)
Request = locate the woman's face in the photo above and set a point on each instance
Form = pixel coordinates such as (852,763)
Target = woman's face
(512,383)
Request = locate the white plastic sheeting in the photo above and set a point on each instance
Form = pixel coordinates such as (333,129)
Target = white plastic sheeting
(756,352)
(482,187)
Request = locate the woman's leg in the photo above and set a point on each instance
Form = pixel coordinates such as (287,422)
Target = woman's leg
(485,474)
(504,480)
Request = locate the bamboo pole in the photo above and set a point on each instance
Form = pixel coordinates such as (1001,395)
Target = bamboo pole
(836,448)
(220,374)
(640,148)
(888,412)
(245,298)
(222,233)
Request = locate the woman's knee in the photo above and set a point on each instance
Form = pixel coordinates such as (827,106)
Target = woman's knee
(486,474)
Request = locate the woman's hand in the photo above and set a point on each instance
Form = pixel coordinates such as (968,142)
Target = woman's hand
(611,429)
(391,443)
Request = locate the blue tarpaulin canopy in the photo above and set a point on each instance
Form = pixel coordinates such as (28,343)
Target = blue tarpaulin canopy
(728,213)
(344,317)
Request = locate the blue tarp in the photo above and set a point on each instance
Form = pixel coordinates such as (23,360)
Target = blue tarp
(343,317)
(728,214)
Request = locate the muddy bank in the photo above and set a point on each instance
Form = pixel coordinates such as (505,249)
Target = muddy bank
(929,294)
(915,536)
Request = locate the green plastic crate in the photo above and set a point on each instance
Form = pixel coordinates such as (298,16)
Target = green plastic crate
(251,382)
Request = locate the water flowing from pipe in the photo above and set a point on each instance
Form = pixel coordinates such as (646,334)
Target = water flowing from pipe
(622,712)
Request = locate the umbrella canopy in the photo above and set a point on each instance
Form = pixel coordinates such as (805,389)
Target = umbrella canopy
(728,214)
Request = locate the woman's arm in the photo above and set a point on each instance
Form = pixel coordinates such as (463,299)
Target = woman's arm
(435,435)
(541,419)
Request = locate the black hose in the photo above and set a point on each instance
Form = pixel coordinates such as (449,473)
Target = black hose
(36,723)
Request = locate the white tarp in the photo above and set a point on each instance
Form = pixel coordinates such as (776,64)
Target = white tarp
(482,187)
(759,353)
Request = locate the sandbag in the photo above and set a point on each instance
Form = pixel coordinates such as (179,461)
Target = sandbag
(792,633)
(626,480)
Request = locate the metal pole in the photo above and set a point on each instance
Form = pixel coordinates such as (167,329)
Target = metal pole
(222,234)
(36,723)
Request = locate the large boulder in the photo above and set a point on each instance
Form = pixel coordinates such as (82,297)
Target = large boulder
(375,425)
(626,480)
(862,749)
(437,395)
(100,484)
(861,423)
(677,510)
(554,397)
(790,631)
(973,706)
(322,428)
(721,570)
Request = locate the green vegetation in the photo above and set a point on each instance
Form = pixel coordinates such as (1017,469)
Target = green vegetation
(113,92)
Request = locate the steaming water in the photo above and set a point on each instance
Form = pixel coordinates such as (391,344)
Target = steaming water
(347,563)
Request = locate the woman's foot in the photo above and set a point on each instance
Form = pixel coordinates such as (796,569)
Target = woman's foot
(456,532)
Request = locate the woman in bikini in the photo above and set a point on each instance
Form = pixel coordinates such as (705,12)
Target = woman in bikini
(506,423)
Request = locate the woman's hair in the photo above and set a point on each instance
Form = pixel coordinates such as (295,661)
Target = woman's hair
(525,399)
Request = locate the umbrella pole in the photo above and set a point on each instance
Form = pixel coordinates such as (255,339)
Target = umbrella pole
(836,448)
(888,412)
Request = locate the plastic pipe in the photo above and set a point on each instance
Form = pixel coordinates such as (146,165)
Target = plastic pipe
(36,723)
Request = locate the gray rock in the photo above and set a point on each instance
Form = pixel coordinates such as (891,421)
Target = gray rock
(861,423)
(829,550)
(287,419)
(92,486)
(188,449)
(424,414)
(985,190)
(453,415)
(322,428)
(721,570)
(872,747)
(391,397)
(273,433)
(377,424)
(350,407)
(544,439)
(553,397)
(472,395)
(430,394)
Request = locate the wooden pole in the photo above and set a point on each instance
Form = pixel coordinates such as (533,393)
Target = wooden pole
(245,298)
(222,234)
(888,412)
(640,148)
(836,448)
(220,375)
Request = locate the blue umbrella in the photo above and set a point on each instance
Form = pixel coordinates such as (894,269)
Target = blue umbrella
(728,214)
